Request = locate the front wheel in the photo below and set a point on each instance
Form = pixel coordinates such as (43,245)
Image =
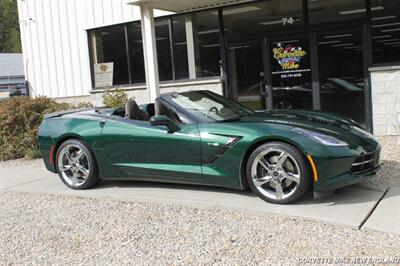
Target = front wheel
(278,173)
(76,165)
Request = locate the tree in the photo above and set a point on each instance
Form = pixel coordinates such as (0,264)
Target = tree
(10,41)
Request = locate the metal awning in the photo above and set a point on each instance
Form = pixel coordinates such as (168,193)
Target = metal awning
(179,6)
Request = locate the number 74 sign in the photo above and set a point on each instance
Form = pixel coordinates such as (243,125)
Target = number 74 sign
(288,20)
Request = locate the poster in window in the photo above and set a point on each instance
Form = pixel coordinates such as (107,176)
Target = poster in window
(290,60)
(103,74)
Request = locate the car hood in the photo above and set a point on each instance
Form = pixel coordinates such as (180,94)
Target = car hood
(327,123)
(308,119)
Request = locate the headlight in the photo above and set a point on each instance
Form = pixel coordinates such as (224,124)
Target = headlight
(320,138)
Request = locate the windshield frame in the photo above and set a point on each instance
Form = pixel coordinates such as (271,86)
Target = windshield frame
(193,119)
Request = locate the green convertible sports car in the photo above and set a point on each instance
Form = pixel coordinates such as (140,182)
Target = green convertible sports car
(202,138)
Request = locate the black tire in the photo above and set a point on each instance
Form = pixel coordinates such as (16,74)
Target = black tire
(302,165)
(90,161)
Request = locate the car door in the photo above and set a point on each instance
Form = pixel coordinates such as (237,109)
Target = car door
(138,150)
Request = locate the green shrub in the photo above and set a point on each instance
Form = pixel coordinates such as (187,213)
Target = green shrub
(83,105)
(20,118)
(32,154)
(114,98)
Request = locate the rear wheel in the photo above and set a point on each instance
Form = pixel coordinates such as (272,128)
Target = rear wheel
(278,173)
(76,165)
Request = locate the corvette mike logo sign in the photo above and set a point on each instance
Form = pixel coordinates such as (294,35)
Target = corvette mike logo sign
(291,60)
(289,57)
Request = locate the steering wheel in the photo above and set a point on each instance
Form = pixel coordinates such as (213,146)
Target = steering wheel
(214,110)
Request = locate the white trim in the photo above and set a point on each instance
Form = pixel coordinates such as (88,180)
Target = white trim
(211,80)
(150,51)
(384,68)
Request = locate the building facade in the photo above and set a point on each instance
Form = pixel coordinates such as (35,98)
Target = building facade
(335,56)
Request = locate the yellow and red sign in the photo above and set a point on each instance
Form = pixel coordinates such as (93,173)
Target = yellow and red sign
(289,57)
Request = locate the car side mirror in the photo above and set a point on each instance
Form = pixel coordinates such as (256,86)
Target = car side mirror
(163,120)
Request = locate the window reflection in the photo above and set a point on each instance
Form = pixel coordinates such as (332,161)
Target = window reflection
(323,11)
(207,39)
(246,74)
(341,74)
(180,47)
(136,53)
(252,20)
(163,49)
(386,31)
(197,45)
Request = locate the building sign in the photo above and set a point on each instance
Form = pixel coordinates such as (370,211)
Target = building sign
(103,74)
(4,95)
(288,20)
(290,61)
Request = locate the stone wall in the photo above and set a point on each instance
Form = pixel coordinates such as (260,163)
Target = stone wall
(386,100)
(141,95)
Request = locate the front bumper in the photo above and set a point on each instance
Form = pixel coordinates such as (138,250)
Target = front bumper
(357,169)
(344,180)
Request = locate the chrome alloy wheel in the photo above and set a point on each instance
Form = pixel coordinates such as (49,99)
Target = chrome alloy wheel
(74,166)
(275,174)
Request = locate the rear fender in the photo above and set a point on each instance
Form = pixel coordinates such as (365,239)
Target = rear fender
(56,130)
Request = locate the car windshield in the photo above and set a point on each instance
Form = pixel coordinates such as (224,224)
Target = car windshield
(209,107)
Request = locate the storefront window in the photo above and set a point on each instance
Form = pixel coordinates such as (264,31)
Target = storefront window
(110,51)
(253,20)
(246,74)
(192,52)
(163,49)
(341,74)
(207,40)
(323,11)
(136,53)
(180,47)
(386,31)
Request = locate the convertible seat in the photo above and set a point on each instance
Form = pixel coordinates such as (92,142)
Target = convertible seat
(133,111)
(161,109)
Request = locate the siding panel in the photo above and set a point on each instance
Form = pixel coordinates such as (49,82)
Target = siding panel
(55,45)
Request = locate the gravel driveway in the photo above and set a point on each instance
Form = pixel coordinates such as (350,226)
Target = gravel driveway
(43,229)
(389,176)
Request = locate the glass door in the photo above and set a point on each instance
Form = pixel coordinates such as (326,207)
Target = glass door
(246,73)
(290,74)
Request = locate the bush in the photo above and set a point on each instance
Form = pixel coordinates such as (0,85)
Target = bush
(32,154)
(20,118)
(82,105)
(115,98)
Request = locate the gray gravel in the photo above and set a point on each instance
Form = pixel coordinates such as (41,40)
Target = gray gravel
(43,229)
(389,176)
(40,229)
